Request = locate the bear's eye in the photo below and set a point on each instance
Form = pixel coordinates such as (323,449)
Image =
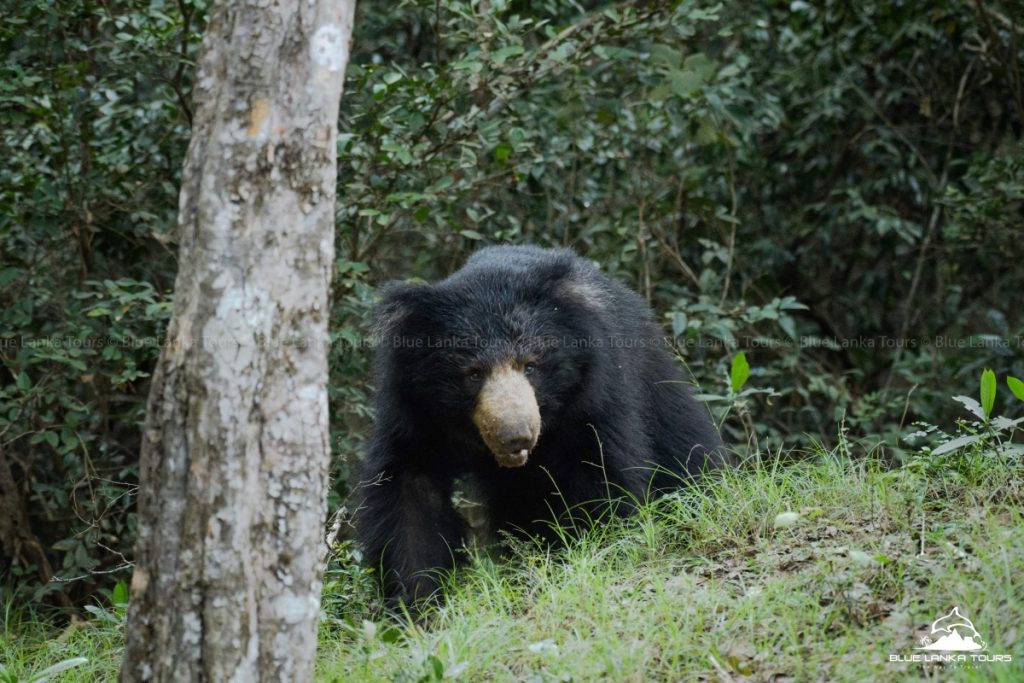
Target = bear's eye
(529,369)
(475,375)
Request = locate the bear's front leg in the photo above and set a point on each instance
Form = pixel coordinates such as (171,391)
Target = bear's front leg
(408,528)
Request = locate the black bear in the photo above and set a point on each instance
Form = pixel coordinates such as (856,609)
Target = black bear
(541,379)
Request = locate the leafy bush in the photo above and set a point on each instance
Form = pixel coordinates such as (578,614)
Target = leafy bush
(834,189)
(93,140)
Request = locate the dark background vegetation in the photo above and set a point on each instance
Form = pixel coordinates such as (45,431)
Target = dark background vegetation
(836,188)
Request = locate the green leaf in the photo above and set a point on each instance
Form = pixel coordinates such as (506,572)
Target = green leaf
(7,276)
(24,383)
(1016,386)
(702,64)
(71,441)
(956,444)
(58,668)
(1005,423)
(472,65)
(788,325)
(51,438)
(740,371)
(685,83)
(502,152)
(471,234)
(666,55)
(437,668)
(499,56)
(729,71)
(679,323)
(706,132)
(399,151)
(971,405)
(443,183)
(119,596)
(988,391)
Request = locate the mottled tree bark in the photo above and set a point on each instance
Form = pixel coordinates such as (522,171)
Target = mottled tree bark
(235,449)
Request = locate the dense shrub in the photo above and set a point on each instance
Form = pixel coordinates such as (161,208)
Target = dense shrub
(835,188)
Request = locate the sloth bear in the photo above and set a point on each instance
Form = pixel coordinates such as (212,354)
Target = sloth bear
(540,379)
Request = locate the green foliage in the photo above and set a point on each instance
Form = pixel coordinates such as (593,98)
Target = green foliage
(1016,386)
(93,138)
(988,392)
(74,409)
(830,190)
(986,436)
(44,675)
(350,589)
(692,151)
(817,552)
(740,371)
(119,595)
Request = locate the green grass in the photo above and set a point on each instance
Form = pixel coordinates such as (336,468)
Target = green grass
(701,586)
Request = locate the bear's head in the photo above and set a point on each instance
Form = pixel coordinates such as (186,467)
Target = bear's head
(491,354)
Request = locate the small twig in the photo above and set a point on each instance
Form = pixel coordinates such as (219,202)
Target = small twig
(871,102)
(732,233)
(960,94)
(332,536)
(604,472)
(933,222)
(906,406)
(89,575)
(1001,18)
(186,24)
(676,257)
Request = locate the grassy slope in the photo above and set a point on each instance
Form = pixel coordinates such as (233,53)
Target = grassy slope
(704,587)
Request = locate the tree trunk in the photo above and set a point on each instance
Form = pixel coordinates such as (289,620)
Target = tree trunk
(235,449)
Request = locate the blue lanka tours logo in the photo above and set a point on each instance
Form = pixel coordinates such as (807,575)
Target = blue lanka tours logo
(952,640)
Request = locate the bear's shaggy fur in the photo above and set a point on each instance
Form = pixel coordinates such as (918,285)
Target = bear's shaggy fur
(541,379)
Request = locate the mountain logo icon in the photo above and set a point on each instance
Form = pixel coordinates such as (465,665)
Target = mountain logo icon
(957,634)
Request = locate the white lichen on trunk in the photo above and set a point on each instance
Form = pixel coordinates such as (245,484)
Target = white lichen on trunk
(235,455)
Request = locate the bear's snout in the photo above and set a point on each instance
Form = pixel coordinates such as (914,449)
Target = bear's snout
(507,416)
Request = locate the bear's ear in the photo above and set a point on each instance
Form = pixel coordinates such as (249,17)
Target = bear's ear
(587,294)
(574,280)
(399,302)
